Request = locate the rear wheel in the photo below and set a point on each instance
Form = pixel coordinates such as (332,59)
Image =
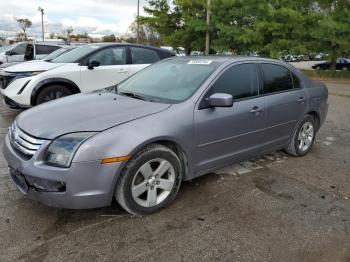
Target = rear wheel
(150,181)
(52,92)
(303,138)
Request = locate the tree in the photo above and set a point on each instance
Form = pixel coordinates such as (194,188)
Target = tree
(25,23)
(109,38)
(184,25)
(68,31)
(147,35)
(270,27)
(331,32)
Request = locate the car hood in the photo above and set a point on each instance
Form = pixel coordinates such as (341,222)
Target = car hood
(84,112)
(32,66)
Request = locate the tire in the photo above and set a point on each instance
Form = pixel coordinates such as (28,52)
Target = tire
(301,142)
(135,174)
(52,92)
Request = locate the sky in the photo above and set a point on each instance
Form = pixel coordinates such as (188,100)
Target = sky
(95,17)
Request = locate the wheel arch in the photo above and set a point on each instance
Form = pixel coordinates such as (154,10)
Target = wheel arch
(53,81)
(316,116)
(175,146)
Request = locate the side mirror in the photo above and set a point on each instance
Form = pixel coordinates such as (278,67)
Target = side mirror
(220,100)
(92,64)
(9,53)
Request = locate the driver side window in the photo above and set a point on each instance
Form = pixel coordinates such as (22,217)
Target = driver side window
(240,81)
(110,56)
(19,49)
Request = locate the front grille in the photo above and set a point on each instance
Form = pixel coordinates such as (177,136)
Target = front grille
(6,79)
(24,142)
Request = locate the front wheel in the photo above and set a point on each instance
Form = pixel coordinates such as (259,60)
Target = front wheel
(303,137)
(52,92)
(150,181)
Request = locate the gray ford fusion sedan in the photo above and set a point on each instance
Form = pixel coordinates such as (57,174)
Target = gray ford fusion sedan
(175,120)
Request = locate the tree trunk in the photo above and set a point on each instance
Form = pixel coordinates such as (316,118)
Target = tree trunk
(333,63)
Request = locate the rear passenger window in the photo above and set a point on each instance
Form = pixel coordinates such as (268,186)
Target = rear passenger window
(276,78)
(144,55)
(240,81)
(45,49)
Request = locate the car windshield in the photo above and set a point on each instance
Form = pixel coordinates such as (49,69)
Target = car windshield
(57,53)
(5,48)
(74,55)
(169,81)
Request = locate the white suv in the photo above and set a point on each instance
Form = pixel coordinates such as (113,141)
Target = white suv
(84,69)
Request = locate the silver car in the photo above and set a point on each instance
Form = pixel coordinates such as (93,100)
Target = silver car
(175,120)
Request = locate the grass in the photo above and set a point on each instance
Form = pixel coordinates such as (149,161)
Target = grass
(327,74)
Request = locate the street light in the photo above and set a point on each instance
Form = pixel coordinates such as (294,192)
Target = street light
(137,22)
(42,22)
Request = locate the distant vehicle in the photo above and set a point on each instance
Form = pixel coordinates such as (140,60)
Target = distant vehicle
(320,56)
(341,64)
(289,58)
(47,58)
(180,51)
(197,53)
(81,70)
(23,51)
(176,120)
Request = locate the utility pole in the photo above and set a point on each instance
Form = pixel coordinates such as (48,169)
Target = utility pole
(137,22)
(207,35)
(42,22)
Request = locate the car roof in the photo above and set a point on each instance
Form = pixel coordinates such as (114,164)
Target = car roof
(106,44)
(227,58)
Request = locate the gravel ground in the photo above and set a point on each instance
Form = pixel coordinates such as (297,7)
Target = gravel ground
(276,208)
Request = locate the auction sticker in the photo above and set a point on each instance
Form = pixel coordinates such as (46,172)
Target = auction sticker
(199,62)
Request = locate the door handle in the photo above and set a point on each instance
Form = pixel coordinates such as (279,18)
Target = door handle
(257,109)
(301,99)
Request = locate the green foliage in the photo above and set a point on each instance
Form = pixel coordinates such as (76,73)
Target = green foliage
(270,27)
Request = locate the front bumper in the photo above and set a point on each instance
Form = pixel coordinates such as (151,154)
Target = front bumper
(86,184)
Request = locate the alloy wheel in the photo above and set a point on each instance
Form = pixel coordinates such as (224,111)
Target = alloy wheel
(306,136)
(153,182)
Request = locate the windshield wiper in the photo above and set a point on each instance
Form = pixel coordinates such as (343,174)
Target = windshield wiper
(130,94)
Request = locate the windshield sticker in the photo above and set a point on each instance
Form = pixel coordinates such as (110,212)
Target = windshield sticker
(200,62)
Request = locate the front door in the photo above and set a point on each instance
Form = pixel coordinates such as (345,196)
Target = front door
(17,53)
(112,69)
(224,135)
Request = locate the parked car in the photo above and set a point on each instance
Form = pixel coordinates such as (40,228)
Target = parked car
(176,120)
(23,51)
(46,58)
(341,64)
(84,69)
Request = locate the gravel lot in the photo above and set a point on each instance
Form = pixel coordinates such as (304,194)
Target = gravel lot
(276,208)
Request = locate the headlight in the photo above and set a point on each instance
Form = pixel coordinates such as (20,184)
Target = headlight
(61,150)
(28,74)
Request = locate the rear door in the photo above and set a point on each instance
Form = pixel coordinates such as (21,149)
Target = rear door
(112,69)
(286,102)
(223,135)
(141,58)
(43,50)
